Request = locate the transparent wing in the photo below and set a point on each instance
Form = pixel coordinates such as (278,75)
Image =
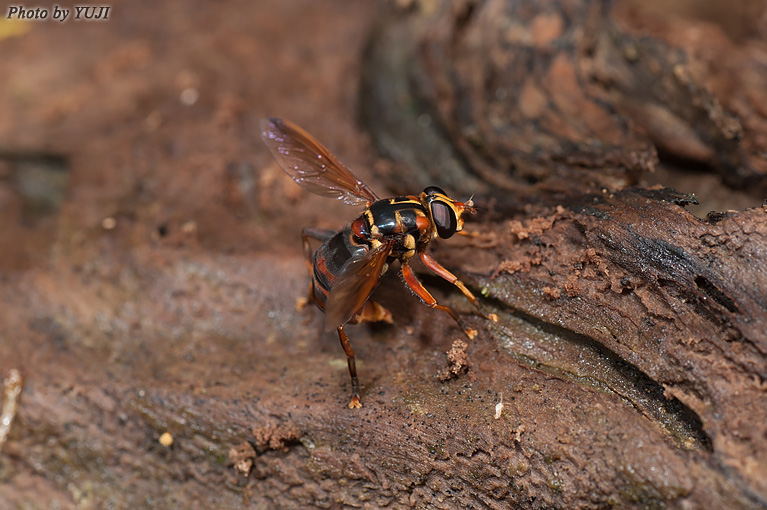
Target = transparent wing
(311,165)
(355,282)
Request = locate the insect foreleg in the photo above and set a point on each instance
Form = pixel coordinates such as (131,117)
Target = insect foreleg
(424,295)
(440,271)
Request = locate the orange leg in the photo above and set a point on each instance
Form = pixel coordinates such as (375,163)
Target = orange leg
(440,271)
(372,312)
(354,403)
(417,287)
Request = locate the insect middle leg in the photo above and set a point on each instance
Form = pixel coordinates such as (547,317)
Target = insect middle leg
(354,403)
(440,271)
(417,287)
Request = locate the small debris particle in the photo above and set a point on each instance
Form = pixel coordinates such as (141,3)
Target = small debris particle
(531,228)
(499,408)
(518,433)
(108,223)
(242,457)
(12,390)
(189,96)
(166,439)
(523,264)
(189,227)
(551,293)
(458,361)
(276,436)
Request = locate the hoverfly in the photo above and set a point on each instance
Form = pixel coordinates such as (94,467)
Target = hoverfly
(350,262)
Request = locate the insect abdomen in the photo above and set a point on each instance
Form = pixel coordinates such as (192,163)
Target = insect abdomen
(329,258)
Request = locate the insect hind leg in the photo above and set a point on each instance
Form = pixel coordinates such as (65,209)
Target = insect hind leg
(318,234)
(307,234)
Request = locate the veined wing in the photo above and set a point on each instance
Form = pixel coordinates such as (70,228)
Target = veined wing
(356,281)
(311,165)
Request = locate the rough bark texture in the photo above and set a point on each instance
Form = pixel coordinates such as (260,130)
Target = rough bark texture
(151,259)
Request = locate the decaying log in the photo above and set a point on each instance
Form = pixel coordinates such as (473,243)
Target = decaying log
(149,293)
(670,309)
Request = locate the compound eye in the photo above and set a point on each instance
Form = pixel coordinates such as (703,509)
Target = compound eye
(444,219)
(433,190)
